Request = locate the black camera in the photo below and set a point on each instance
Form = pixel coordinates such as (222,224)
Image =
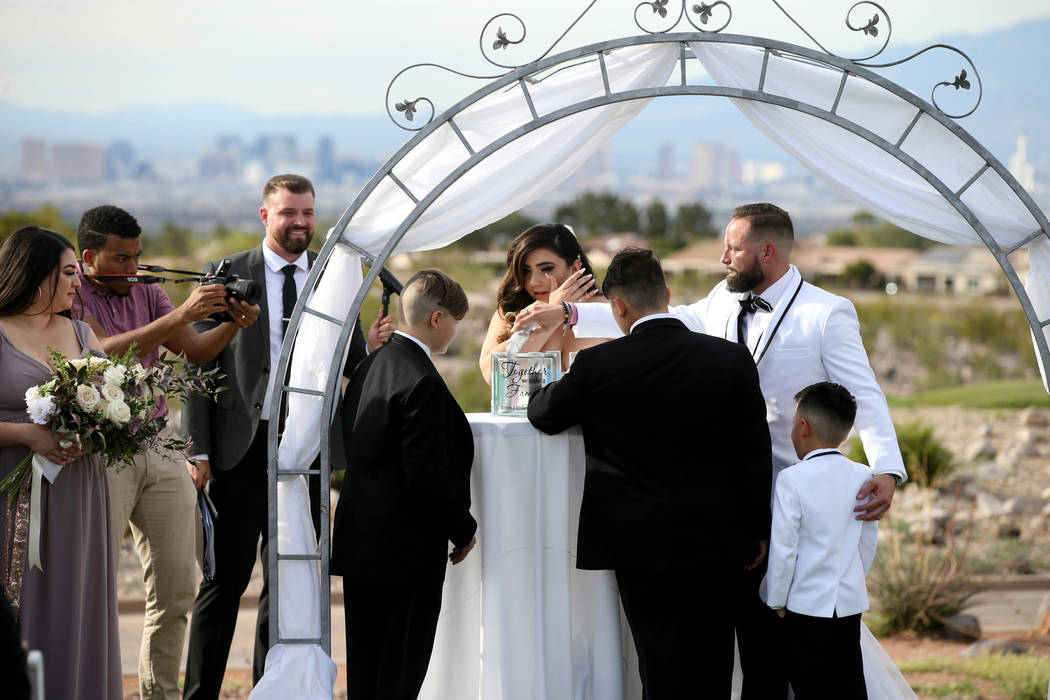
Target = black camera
(246,290)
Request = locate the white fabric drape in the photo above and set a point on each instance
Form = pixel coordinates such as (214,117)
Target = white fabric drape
(537,162)
(507,180)
(304,670)
(868,174)
(522,170)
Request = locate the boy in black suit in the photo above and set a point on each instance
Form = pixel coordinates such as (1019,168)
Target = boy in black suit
(676,497)
(409,451)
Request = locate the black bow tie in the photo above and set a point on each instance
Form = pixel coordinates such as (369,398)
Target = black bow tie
(749,305)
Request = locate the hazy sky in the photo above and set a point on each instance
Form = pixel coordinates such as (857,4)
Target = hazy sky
(337,56)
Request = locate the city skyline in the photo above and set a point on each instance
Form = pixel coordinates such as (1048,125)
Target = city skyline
(331,57)
(206,159)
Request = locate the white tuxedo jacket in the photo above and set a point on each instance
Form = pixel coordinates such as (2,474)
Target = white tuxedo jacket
(812,336)
(819,553)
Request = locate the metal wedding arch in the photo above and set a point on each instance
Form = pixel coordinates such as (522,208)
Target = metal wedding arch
(521,78)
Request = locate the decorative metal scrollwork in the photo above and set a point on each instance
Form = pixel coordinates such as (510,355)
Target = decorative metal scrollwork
(872,28)
(703,11)
(506,29)
(961,81)
(498,42)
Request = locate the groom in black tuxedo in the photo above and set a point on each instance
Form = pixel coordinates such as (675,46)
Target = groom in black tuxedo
(406,496)
(676,497)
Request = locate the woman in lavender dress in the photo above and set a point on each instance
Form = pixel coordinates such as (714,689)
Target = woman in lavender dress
(67,608)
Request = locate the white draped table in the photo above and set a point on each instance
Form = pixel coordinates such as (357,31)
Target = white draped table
(518,620)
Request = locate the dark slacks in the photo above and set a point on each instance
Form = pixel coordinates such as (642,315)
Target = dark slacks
(240,496)
(825,659)
(683,632)
(389,636)
(759,635)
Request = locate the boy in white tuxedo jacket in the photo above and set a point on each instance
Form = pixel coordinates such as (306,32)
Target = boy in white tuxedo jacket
(819,553)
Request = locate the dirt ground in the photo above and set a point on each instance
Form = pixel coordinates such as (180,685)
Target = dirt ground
(237,684)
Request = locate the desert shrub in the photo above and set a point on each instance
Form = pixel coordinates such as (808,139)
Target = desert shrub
(916,587)
(1002,331)
(928,462)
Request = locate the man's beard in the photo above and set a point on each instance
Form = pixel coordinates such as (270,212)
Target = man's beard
(294,245)
(747,279)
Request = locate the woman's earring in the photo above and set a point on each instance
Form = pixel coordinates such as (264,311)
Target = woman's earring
(36,297)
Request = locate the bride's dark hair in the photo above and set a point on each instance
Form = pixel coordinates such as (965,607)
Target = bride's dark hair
(28,257)
(512,295)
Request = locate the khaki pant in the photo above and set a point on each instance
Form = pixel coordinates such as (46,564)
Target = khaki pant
(156,498)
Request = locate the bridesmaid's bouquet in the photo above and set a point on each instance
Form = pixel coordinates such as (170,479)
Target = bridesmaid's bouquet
(108,406)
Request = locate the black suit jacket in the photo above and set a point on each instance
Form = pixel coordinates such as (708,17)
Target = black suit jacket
(224,426)
(678,450)
(409,450)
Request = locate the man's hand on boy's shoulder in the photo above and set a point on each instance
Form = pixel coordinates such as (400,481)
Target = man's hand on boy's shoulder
(881,488)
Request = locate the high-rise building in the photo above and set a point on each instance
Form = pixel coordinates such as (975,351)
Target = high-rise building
(713,165)
(665,162)
(120,160)
(327,168)
(79,161)
(1019,165)
(276,151)
(34,159)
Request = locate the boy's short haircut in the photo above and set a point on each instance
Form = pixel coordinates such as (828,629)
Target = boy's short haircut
(829,408)
(428,291)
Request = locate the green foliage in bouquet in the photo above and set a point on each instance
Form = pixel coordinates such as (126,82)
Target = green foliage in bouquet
(108,406)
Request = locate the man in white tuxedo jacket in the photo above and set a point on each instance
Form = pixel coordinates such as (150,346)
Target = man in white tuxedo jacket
(798,334)
(819,553)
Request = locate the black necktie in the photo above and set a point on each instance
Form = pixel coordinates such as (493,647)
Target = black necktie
(748,305)
(288,294)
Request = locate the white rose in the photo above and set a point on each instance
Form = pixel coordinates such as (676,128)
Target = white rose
(117,412)
(38,406)
(112,393)
(87,397)
(79,362)
(115,374)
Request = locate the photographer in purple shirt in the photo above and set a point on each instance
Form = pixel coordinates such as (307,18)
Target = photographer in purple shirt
(156,496)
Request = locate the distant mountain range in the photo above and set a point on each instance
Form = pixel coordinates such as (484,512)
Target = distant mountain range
(1009,61)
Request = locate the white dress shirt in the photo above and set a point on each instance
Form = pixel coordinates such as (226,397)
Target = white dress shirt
(650,317)
(819,553)
(755,324)
(417,341)
(275,305)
